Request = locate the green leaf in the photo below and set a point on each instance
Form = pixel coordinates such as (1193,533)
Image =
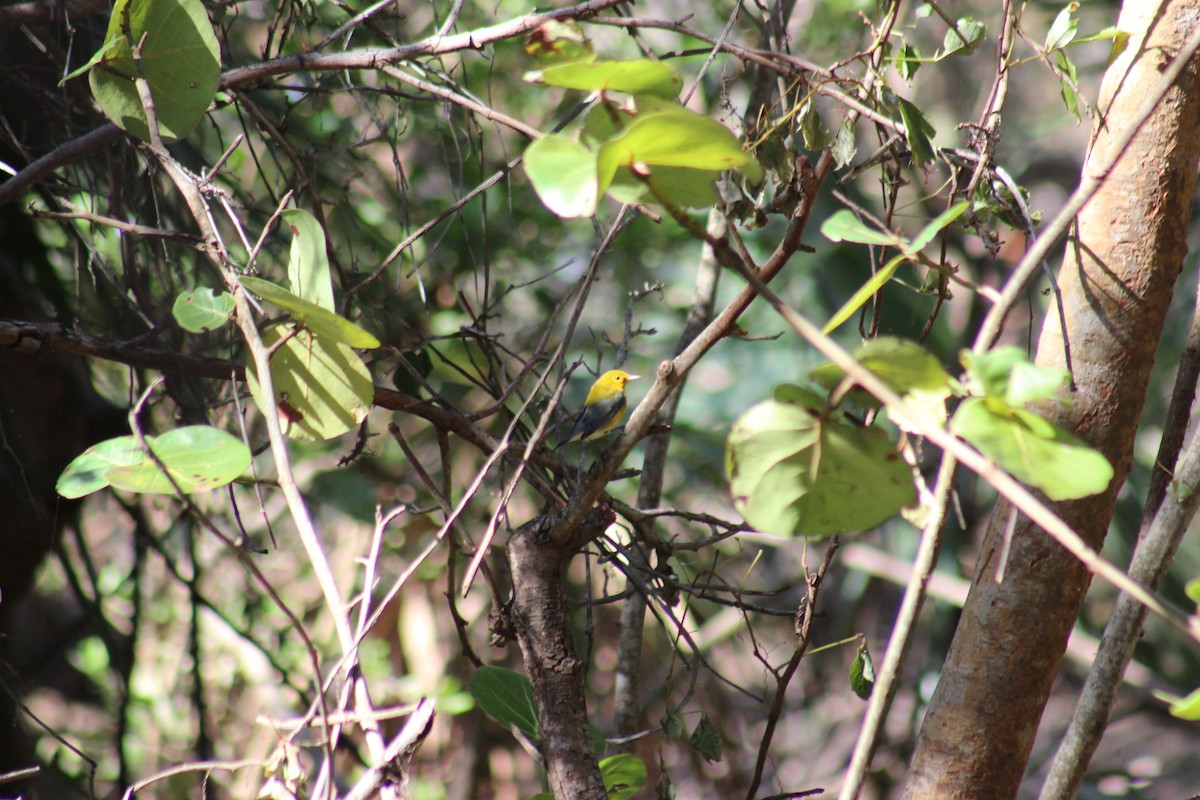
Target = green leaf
(938,224)
(907,369)
(1063,29)
(563,173)
(1120,40)
(1186,708)
(672,726)
(843,226)
(845,145)
(920,132)
(908,61)
(623,775)
(682,187)
(1033,449)
(199,457)
(638,76)
(324,323)
(1007,373)
(558,42)
(812,129)
(988,373)
(202,310)
(1192,590)
(308,263)
(1068,82)
(706,741)
(793,472)
(88,472)
(903,365)
(109,47)
(670,139)
(1028,383)
(507,697)
(972,31)
(603,121)
(774,152)
(864,293)
(322,388)
(180,58)
(1111,32)
(862,673)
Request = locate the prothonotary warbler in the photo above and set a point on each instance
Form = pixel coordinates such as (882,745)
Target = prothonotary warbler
(603,409)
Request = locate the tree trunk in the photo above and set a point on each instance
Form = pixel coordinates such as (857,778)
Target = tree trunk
(1117,278)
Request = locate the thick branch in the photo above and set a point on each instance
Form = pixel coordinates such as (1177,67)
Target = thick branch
(543,630)
(1117,280)
(30,337)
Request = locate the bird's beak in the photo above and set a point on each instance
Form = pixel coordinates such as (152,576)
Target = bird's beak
(633,377)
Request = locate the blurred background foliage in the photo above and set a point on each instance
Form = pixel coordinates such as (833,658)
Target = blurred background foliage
(145,643)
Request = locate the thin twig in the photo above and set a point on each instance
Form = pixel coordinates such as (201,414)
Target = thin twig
(804,618)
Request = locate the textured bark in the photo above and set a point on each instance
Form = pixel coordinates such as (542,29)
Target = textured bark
(543,631)
(1117,279)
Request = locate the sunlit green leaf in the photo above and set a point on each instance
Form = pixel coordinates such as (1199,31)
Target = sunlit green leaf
(973,32)
(623,774)
(843,226)
(682,187)
(1063,29)
(670,139)
(1007,373)
(903,365)
(1192,590)
(794,472)
(198,457)
(988,373)
(1028,383)
(638,76)
(563,173)
(1034,450)
(1186,708)
(88,472)
(909,370)
(109,48)
(308,263)
(322,388)
(937,225)
(602,121)
(202,309)
(320,321)
(180,59)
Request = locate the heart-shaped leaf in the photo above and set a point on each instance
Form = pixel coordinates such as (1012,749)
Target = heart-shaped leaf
(180,59)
